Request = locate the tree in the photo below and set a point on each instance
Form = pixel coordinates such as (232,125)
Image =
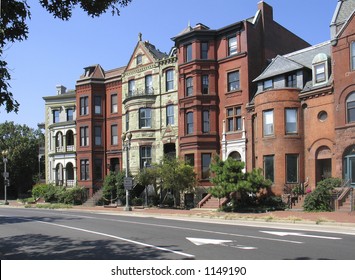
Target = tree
(150,176)
(177,176)
(22,143)
(113,188)
(13,28)
(228,177)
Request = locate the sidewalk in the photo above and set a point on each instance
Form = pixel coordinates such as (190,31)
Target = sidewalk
(332,218)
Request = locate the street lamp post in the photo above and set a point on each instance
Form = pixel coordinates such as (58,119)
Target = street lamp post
(6,175)
(126,145)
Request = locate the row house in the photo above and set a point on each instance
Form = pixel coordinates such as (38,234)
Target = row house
(303,114)
(149,105)
(251,90)
(60,137)
(215,71)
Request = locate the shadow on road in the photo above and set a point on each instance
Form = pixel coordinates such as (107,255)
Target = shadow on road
(43,247)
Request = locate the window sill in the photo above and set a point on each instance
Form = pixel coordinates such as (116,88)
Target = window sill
(238,91)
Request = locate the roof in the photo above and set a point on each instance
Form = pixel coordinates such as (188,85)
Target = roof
(157,54)
(294,61)
(343,11)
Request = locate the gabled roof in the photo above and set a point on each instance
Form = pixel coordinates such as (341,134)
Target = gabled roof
(157,54)
(343,12)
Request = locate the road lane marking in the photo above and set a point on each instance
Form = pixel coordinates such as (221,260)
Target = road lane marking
(220,242)
(285,233)
(117,237)
(204,241)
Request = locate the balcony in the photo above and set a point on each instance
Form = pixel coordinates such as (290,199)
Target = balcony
(140,92)
(64,149)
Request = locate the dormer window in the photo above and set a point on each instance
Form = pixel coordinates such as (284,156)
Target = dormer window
(320,69)
(319,73)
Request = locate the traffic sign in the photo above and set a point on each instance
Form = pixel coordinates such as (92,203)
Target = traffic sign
(6,174)
(128,183)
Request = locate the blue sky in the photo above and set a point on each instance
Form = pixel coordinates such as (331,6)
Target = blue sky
(56,52)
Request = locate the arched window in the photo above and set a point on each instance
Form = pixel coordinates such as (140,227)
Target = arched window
(235,155)
(350,107)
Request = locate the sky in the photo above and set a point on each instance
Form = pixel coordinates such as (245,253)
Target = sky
(57,51)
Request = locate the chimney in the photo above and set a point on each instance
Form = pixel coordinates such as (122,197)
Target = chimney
(61,89)
(266,11)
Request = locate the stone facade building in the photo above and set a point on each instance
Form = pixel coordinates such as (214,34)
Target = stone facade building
(60,138)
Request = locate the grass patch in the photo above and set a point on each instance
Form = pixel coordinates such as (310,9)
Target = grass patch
(50,206)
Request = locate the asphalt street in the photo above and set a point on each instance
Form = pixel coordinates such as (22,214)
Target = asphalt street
(73,235)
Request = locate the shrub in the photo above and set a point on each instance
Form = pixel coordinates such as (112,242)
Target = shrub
(320,198)
(137,201)
(39,191)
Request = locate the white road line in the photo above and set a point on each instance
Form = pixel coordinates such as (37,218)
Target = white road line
(115,237)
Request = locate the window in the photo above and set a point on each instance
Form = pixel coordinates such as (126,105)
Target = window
(205,84)
(189,86)
(148,84)
(189,123)
(232,45)
(84,136)
(97,131)
(291,80)
(131,88)
(319,73)
(145,117)
(292,168)
(145,156)
(84,106)
(269,167)
(70,114)
(352,55)
(350,107)
(204,50)
(206,161)
(205,121)
(114,107)
(233,81)
(114,135)
(190,159)
(139,59)
(98,169)
(97,105)
(188,52)
(322,116)
(55,116)
(268,84)
(127,121)
(291,121)
(169,80)
(170,114)
(268,122)
(234,119)
(84,169)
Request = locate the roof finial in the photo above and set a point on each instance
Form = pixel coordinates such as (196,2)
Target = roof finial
(188,24)
(139,37)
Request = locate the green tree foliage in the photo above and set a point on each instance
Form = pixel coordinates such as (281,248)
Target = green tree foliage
(54,194)
(177,176)
(320,199)
(13,28)
(113,188)
(228,177)
(149,176)
(22,143)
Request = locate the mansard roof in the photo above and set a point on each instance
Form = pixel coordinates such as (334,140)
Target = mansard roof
(294,61)
(343,11)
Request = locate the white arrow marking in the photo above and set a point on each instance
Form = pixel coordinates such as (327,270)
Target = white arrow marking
(203,241)
(283,233)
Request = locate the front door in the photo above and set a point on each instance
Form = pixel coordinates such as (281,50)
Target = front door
(349,166)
